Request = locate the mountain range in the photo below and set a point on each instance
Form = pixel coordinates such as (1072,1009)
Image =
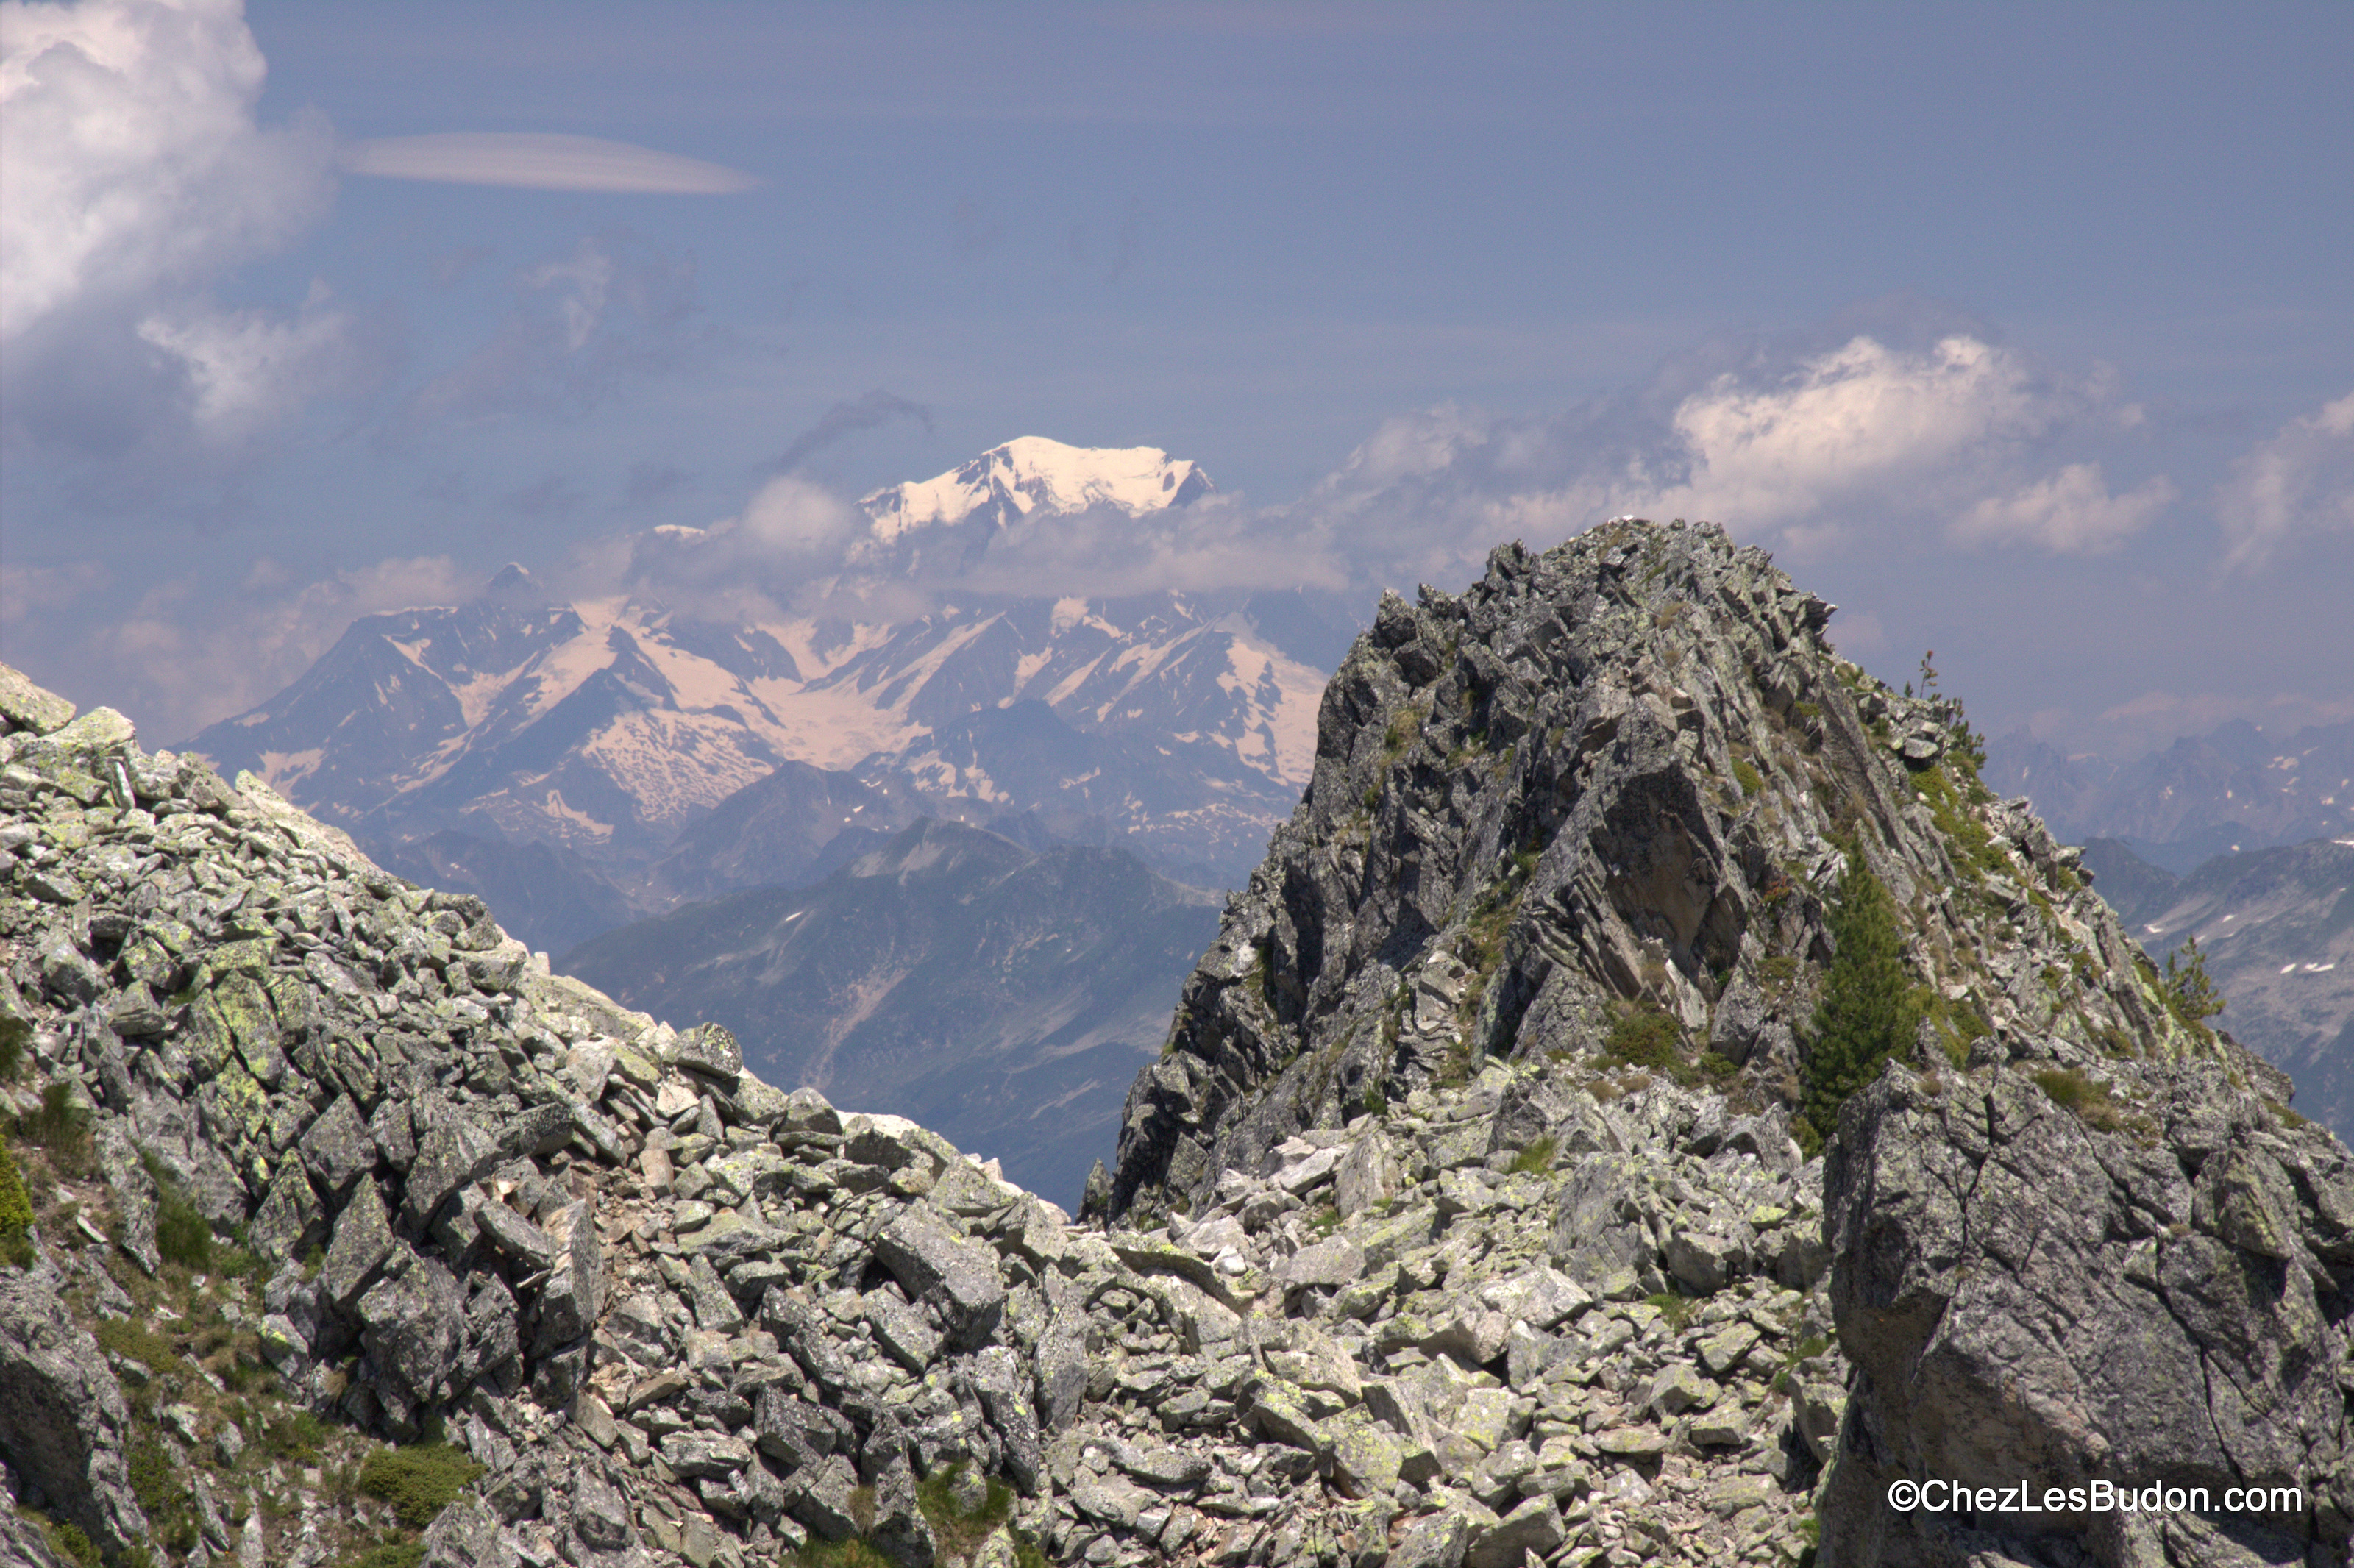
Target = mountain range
(2275,929)
(1491,1203)
(1004,995)
(620,729)
(2234,788)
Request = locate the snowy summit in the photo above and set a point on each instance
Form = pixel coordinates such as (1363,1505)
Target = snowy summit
(1032,475)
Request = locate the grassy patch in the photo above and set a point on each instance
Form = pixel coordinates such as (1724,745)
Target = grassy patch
(15,1033)
(1536,1159)
(182,1234)
(1753,783)
(1644,1038)
(169,1506)
(138,1342)
(392,1554)
(296,1439)
(960,1527)
(1958,1023)
(418,1482)
(2087,1100)
(2288,1117)
(60,1128)
(1675,1310)
(1967,840)
(16,1212)
(68,1542)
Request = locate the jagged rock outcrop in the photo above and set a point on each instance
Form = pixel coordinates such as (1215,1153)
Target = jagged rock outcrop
(1464,1221)
(2074,1234)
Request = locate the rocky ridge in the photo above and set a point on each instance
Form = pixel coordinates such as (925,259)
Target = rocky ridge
(1600,803)
(1460,1223)
(676,1314)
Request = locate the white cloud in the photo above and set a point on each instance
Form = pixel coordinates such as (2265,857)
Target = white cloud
(249,369)
(1850,422)
(1797,449)
(132,160)
(541,163)
(2070,513)
(791,521)
(2301,481)
(137,176)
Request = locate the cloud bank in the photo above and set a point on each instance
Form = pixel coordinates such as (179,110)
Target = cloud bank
(1944,437)
(1870,438)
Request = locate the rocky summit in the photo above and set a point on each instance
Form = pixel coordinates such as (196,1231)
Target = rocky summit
(1505,1195)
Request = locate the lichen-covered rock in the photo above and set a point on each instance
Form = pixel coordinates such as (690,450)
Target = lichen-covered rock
(63,1425)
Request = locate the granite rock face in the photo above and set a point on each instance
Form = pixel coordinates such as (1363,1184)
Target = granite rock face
(2160,1294)
(1462,1223)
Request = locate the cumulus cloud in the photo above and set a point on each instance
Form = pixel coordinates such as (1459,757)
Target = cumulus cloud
(784,547)
(2070,513)
(137,175)
(546,162)
(248,370)
(2301,481)
(1852,422)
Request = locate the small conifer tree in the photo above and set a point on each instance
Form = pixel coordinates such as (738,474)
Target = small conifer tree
(1868,1011)
(2191,992)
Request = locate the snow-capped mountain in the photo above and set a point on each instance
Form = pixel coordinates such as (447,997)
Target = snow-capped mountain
(1180,725)
(949,520)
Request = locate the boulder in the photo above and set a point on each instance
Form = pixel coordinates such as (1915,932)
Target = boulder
(2007,1318)
(363,1241)
(958,1279)
(63,1424)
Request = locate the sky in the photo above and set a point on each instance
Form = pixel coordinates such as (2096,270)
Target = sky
(2025,334)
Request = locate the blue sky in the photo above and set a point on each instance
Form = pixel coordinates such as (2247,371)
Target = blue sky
(2024,332)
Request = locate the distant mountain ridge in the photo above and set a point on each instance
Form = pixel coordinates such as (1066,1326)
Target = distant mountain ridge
(1180,725)
(2276,928)
(2233,787)
(1004,995)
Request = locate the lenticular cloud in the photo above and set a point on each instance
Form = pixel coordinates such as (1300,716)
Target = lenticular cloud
(545,163)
